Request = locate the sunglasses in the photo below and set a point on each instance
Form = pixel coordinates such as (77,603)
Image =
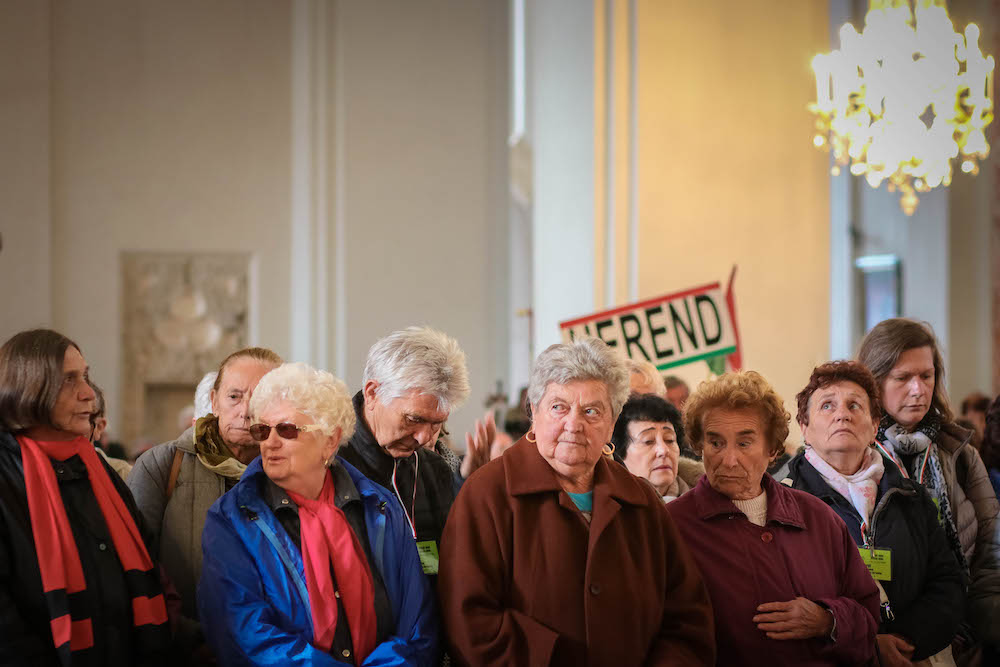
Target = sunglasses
(260,432)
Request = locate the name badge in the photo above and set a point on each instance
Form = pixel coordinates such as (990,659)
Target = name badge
(428,551)
(878,562)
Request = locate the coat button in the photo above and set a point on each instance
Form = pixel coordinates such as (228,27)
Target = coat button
(595,589)
(766,537)
(284,501)
(345,653)
(102,546)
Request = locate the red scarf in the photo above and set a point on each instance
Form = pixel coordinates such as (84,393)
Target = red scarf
(58,558)
(327,539)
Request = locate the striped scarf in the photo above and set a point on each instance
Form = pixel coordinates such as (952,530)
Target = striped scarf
(63,578)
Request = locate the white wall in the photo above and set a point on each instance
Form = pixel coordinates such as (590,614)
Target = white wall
(25,221)
(168,126)
(422,103)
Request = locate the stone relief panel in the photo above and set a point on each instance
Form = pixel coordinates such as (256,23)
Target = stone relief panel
(182,314)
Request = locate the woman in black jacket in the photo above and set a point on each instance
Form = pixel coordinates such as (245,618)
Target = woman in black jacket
(893,520)
(77,584)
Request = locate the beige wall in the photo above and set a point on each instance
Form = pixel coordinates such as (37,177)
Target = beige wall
(728,174)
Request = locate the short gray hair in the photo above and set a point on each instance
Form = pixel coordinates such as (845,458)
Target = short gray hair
(419,358)
(312,392)
(650,374)
(203,395)
(583,359)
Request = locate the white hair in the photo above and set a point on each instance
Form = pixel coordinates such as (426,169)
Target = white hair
(203,395)
(649,373)
(583,359)
(310,391)
(419,358)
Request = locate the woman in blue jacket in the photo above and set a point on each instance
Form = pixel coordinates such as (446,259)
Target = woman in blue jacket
(306,562)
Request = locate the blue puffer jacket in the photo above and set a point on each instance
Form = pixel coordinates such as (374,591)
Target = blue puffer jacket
(253,600)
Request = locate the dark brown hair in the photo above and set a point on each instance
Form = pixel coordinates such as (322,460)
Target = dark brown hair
(838,371)
(889,339)
(31,375)
(990,451)
(261,354)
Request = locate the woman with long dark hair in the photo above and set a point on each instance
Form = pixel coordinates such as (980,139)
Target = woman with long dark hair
(77,584)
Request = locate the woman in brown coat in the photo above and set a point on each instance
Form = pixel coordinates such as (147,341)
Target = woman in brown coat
(554,554)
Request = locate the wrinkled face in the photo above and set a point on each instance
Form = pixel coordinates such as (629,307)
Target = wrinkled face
(572,423)
(404,424)
(735,451)
(231,402)
(295,464)
(653,453)
(678,396)
(908,389)
(840,421)
(75,402)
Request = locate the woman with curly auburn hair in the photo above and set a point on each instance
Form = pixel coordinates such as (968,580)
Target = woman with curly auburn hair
(917,432)
(788,586)
(888,516)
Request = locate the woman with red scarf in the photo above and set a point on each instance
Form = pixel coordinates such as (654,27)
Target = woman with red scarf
(77,584)
(306,562)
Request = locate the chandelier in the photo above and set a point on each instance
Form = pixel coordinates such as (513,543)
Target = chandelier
(902,99)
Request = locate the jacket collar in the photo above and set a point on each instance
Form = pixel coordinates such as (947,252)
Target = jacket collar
(806,478)
(782,505)
(953,437)
(345,490)
(528,473)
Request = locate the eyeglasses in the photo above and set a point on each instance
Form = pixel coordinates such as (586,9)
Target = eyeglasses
(260,432)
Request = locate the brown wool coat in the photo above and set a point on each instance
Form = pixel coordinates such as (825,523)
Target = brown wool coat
(525,581)
(975,508)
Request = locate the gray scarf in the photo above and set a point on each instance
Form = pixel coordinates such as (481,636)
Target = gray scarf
(925,467)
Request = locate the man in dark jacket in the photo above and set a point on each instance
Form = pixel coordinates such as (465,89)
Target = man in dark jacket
(413,379)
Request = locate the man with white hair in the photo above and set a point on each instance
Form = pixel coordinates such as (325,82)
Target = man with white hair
(413,379)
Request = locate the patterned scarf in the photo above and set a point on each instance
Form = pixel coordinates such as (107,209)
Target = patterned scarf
(327,539)
(59,560)
(212,450)
(859,489)
(920,447)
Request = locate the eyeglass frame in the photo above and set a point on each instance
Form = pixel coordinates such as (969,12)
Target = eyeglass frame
(298,429)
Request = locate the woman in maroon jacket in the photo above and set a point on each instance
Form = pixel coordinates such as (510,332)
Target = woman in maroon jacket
(787,583)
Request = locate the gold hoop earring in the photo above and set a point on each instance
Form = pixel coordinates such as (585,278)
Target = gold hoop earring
(609,449)
(530,437)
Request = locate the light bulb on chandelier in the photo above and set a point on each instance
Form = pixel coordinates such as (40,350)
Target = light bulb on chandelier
(903,98)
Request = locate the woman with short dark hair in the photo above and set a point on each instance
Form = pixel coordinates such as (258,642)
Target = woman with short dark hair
(888,516)
(649,439)
(77,584)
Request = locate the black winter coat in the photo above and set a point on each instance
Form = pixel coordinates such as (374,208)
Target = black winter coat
(927,590)
(25,634)
(436,487)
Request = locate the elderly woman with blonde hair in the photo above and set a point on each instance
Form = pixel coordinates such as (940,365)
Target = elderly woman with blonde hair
(554,554)
(306,561)
(786,580)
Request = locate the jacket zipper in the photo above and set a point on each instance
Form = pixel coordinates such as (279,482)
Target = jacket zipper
(870,540)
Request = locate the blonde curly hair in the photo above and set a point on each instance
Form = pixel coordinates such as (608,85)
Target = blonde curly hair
(312,392)
(736,391)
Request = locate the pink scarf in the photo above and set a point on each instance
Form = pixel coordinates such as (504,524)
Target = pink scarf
(327,540)
(861,488)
